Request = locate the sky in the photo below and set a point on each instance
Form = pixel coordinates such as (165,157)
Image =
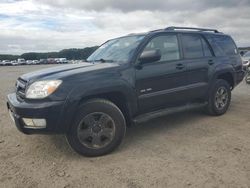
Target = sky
(52,25)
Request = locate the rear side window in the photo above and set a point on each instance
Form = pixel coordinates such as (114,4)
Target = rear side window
(192,46)
(223,45)
(227,45)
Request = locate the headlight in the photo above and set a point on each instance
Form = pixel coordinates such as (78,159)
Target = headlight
(42,89)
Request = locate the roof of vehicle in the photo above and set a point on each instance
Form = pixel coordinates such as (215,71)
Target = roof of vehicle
(182,30)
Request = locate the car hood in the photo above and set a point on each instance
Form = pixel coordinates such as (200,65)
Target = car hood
(61,71)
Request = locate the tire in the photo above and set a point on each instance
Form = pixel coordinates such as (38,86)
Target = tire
(215,102)
(99,128)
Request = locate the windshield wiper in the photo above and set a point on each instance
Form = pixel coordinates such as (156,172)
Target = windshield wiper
(103,60)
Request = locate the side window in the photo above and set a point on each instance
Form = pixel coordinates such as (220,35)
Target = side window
(167,44)
(206,49)
(192,46)
(226,44)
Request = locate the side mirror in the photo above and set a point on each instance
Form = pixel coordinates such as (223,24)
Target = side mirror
(150,56)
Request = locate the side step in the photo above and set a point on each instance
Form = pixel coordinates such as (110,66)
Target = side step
(151,115)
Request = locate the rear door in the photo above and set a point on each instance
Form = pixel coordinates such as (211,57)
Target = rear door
(199,60)
(161,83)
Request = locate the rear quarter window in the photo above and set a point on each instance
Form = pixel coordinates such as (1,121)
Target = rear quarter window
(222,45)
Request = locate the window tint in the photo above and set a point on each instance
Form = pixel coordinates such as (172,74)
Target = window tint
(168,45)
(192,46)
(226,44)
(222,45)
(206,49)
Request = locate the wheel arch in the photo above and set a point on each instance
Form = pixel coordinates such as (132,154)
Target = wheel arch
(225,72)
(120,99)
(227,76)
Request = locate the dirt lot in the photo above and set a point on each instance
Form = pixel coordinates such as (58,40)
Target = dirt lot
(183,150)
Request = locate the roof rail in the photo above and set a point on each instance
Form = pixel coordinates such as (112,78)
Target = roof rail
(191,28)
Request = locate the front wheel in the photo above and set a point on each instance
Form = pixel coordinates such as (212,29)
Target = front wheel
(99,128)
(219,98)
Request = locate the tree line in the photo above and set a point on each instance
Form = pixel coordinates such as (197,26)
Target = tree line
(70,54)
(244,48)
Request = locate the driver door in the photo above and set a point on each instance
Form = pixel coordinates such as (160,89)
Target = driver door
(161,84)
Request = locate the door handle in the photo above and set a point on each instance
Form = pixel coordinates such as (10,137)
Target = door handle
(179,66)
(210,62)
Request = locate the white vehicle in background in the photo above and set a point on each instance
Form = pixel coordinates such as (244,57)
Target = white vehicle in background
(35,62)
(14,63)
(61,60)
(6,62)
(29,62)
(21,61)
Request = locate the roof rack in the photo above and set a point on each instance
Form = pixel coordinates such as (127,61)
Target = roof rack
(191,28)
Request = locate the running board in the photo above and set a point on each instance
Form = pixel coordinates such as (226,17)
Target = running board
(167,111)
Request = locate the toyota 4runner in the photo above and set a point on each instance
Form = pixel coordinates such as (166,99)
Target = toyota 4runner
(128,80)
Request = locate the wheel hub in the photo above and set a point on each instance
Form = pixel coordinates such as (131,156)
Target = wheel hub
(96,129)
(221,98)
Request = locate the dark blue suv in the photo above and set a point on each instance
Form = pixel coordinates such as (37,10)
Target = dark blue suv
(128,80)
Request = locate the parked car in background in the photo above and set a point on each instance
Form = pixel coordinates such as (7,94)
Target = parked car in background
(51,61)
(14,63)
(35,62)
(242,52)
(6,63)
(246,60)
(43,61)
(29,62)
(61,60)
(2,63)
(21,61)
(247,77)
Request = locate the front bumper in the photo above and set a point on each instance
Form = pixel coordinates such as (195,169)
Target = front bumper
(52,111)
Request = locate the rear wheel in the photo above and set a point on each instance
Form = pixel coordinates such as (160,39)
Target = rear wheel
(99,128)
(219,98)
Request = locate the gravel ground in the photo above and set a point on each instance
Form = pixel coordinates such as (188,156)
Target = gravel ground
(187,149)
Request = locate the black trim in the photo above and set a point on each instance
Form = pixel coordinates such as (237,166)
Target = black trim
(167,111)
(167,91)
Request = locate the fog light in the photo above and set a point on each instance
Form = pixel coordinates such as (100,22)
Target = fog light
(28,122)
(34,123)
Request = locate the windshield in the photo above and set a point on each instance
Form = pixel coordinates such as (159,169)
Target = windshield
(247,54)
(119,50)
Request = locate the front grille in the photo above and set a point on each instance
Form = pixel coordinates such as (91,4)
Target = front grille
(21,88)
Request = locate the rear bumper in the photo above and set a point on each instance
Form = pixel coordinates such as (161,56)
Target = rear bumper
(51,111)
